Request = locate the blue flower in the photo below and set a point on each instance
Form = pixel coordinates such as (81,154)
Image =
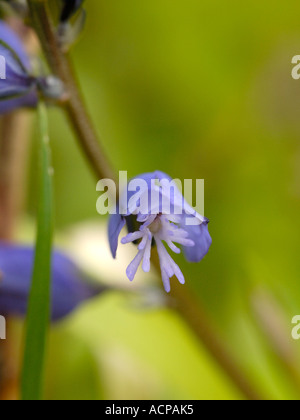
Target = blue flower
(18,89)
(158,214)
(69,288)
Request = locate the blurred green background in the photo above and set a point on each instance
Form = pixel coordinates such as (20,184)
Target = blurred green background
(198,90)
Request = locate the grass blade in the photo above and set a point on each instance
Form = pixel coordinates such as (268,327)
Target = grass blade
(38,315)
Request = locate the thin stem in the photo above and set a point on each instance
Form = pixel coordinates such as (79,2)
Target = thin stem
(193,313)
(60,65)
(185,304)
(14,138)
(15,131)
(195,316)
(39,308)
(197,319)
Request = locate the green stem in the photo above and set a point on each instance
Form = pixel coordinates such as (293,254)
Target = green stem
(38,315)
(185,304)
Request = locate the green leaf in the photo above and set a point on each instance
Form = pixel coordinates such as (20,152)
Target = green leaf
(38,315)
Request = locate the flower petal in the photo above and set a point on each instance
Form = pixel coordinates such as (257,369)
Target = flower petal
(134,265)
(18,89)
(199,234)
(28,100)
(115,225)
(69,289)
(9,37)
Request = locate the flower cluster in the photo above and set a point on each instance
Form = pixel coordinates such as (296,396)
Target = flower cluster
(162,217)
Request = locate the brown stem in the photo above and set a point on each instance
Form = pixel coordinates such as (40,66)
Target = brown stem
(185,304)
(13,151)
(74,107)
(200,323)
(9,365)
(14,140)
(196,318)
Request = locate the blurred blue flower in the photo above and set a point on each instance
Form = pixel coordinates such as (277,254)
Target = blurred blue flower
(69,286)
(159,215)
(18,89)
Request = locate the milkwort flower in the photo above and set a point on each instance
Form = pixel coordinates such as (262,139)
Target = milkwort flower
(159,215)
(18,87)
(69,286)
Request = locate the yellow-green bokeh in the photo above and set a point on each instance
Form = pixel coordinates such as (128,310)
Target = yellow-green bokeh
(198,90)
